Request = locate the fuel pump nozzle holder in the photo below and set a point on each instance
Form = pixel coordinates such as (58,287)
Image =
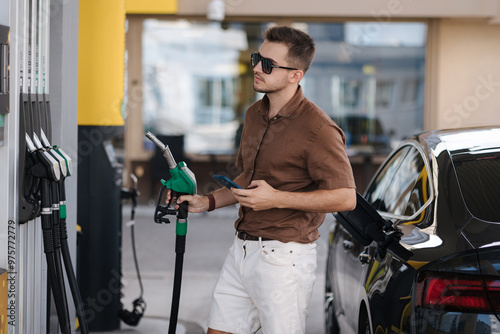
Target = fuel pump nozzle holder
(47,169)
(63,166)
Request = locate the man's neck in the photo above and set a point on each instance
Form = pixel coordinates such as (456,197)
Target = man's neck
(277,100)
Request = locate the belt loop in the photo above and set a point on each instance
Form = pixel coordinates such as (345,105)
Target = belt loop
(260,242)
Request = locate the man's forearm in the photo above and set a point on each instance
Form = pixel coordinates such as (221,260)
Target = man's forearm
(224,197)
(343,199)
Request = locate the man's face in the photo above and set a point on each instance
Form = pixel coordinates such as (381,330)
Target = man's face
(278,78)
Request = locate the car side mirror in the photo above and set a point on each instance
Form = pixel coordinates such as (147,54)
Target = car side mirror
(366,225)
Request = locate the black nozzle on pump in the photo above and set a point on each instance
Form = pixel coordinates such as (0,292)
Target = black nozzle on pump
(47,169)
(60,231)
(52,165)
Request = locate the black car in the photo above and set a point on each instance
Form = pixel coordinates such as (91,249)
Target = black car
(423,254)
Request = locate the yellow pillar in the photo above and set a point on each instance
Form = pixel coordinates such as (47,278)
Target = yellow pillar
(101,58)
(151,6)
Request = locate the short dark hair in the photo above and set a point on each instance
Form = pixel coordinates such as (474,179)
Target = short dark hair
(300,45)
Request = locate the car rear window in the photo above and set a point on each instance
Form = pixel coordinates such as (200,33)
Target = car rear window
(479,180)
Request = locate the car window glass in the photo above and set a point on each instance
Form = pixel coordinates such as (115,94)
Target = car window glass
(479,179)
(376,193)
(397,195)
(419,195)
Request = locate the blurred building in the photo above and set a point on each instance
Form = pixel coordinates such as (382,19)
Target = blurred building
(383,70)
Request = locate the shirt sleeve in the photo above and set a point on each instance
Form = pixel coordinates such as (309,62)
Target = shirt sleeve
(328,163)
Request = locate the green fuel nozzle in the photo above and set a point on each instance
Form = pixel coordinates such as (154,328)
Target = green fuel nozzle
(181,182)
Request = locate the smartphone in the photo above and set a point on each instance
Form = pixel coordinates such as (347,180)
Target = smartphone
(226,182)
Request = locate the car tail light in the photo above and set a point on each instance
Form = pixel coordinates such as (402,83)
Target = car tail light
(464,293)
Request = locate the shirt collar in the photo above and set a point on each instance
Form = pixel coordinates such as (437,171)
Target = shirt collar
(288,109)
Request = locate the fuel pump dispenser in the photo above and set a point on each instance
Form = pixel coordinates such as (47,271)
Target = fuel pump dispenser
(182,182)
(36,194)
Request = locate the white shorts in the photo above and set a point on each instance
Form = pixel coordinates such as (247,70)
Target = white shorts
(264,284)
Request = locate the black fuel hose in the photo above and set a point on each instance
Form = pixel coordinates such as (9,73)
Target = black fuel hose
(68,265)
(180,249)
(57,242)
(133,317)
(180,241)
(134,252)
(48,247)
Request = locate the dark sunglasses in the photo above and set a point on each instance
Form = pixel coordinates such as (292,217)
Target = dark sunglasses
(267,64)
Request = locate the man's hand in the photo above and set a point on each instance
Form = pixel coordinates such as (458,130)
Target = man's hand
(258,196)
(197,203)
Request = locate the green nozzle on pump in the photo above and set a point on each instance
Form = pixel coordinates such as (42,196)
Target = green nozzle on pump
(183,180)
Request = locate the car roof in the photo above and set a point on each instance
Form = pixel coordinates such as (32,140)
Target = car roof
(463,140)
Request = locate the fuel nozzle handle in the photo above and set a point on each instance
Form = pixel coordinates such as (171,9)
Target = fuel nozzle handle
(51,169)
(59,158)
(164,149)
(183,180)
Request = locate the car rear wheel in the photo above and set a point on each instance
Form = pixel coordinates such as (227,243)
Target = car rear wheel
(364,323)
(331,324)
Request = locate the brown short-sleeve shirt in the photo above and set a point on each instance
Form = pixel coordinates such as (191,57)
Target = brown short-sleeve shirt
(299,150)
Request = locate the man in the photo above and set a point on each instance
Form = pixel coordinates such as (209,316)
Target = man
(294,171)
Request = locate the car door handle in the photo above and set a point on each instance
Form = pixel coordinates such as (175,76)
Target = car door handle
(348,244)
(365,257)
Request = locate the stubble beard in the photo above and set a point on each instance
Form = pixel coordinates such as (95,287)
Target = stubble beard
(272,89)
